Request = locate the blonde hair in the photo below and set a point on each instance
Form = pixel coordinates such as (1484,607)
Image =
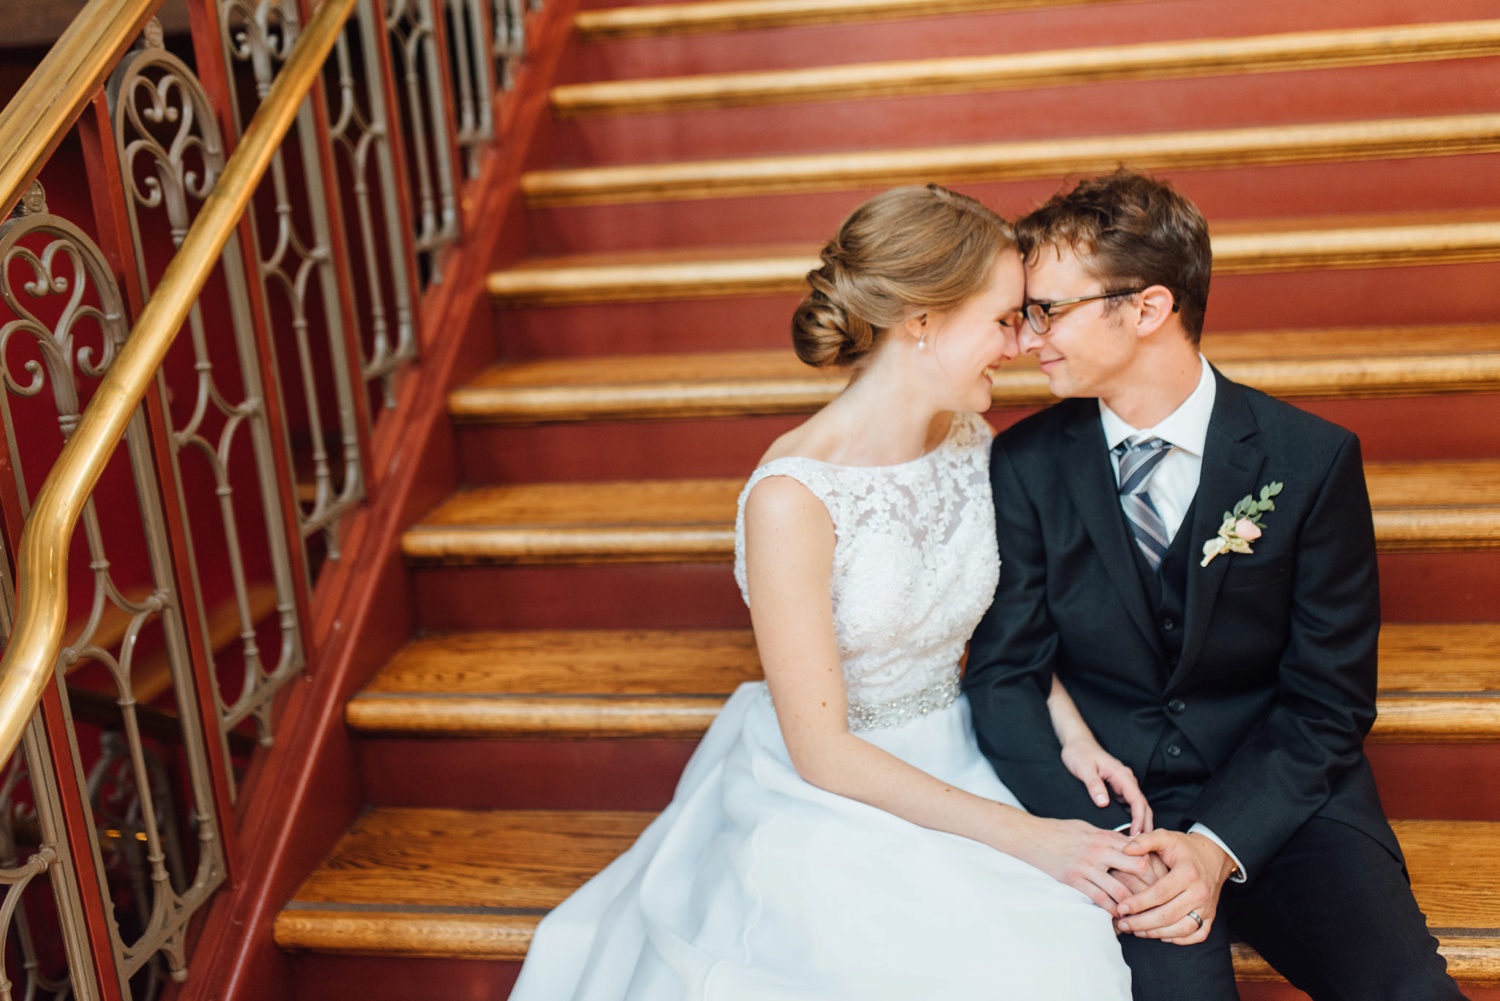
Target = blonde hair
(904,252)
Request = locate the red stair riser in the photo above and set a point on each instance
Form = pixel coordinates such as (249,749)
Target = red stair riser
(1454,293)
(654,596)
(1438,781)
(1415,587)
(1441,427)
(399,978)
(1435,184)
(1407,90)
(1417,781)
(522,774)
(1024,30)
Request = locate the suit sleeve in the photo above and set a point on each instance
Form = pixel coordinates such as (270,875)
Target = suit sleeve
(1010,665)
(1285,769)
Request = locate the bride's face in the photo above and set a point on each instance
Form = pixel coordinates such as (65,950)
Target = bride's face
(967,344)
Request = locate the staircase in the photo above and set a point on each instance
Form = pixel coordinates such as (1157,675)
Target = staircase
(579,624)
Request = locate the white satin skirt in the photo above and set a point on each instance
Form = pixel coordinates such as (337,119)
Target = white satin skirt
(754,884)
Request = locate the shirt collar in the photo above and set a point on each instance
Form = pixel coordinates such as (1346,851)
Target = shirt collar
(1186,427)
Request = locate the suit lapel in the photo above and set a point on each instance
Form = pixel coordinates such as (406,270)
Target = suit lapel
(1232,461)
(1091,483)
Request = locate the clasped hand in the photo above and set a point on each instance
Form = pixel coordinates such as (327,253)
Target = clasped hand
(1173,876)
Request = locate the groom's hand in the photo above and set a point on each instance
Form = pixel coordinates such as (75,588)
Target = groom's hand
(1136,883)
(1197,869)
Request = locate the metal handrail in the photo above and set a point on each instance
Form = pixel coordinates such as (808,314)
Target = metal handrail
(43,110)
(41,564)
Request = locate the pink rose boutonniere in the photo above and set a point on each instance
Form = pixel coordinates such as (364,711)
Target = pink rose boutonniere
(1241,526)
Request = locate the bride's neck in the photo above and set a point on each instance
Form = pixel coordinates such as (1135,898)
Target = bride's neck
(882,417)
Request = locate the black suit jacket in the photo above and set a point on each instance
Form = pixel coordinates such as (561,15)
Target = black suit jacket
(1276,678)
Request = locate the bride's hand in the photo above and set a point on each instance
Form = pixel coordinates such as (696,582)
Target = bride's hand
(1087,858)
(1100,772)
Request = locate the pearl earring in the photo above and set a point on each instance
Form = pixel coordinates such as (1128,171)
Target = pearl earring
(922,341)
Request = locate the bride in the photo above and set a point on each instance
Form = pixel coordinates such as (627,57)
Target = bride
(837,834)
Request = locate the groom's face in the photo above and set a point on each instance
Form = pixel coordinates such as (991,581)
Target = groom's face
(1089,346)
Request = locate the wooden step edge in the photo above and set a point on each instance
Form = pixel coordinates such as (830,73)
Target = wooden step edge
(1445,718)
(520,717)
(667,20)
(1459,528)
(1437,529)
(350,930)
(649,281)
(1473,956)
(1064,67)
(522,545)
(1292,378)
(1336,142)
(1409,245)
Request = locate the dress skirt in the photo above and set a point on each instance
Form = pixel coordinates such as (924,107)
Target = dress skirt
(755,884)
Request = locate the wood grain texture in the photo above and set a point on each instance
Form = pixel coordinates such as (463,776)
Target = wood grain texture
(1347,363)
(1419,506)
(1438,683)
(1260,247)
(1222,148)
(1063,67)
(662,20)
(403,881)
(594,684)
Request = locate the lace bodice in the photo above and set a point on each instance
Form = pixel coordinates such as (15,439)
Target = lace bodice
(914,567)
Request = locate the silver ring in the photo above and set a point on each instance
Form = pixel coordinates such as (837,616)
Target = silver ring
(1195,917)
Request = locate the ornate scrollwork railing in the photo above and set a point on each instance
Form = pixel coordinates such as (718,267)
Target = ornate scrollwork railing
(229,278)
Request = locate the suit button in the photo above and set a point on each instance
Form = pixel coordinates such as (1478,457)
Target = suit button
(1173,751)
(1168,624)
(1177,707)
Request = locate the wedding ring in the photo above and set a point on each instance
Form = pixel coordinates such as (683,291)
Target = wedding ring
(1195,917)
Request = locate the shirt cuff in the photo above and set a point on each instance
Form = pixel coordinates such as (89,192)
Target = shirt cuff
(1238,876)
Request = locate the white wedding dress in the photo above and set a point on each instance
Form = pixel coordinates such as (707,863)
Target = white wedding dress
(754,884)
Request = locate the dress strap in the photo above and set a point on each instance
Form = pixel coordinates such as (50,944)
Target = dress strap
(813,475)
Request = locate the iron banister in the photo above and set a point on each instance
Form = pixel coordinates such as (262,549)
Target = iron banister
(41,564)
(43,110)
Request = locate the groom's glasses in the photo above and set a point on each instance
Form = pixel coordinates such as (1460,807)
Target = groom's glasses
(1039,314)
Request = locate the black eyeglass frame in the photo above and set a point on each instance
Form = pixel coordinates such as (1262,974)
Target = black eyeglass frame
(1039,314)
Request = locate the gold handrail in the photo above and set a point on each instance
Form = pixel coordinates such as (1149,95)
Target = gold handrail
(42,562)
(43,110)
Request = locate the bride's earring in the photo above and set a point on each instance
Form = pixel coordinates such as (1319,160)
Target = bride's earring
(922,341)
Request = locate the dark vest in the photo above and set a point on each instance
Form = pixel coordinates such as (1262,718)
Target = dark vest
(1174,760)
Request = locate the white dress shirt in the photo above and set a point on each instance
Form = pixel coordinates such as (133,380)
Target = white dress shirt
(1174,482)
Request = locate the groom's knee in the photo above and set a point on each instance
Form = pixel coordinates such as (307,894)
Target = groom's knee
(1163,972)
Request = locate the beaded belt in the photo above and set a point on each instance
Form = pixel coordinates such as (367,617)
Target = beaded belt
(898,712)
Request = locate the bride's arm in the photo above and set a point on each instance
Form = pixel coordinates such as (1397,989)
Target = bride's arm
(1091,764)
(789,543)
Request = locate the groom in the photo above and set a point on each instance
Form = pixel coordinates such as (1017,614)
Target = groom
(1228,660)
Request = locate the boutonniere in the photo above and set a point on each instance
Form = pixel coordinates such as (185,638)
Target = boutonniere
(1242,526)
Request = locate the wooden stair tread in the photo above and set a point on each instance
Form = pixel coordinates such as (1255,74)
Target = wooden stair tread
(401,881)
(1295,364)
(1239,247)
(1437,682)
(1259,146)
(660,20)
(1423,506)
(1151,61)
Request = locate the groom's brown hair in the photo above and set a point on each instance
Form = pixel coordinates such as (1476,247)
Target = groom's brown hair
(1128,229)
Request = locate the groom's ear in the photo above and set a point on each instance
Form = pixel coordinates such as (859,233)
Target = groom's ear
(1157,308)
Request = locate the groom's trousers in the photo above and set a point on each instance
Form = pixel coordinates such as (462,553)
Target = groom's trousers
(1333,912)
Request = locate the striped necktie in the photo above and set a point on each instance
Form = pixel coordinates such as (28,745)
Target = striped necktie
(1137,462)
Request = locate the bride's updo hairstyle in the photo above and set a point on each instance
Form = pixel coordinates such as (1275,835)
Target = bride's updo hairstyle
(904,252)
